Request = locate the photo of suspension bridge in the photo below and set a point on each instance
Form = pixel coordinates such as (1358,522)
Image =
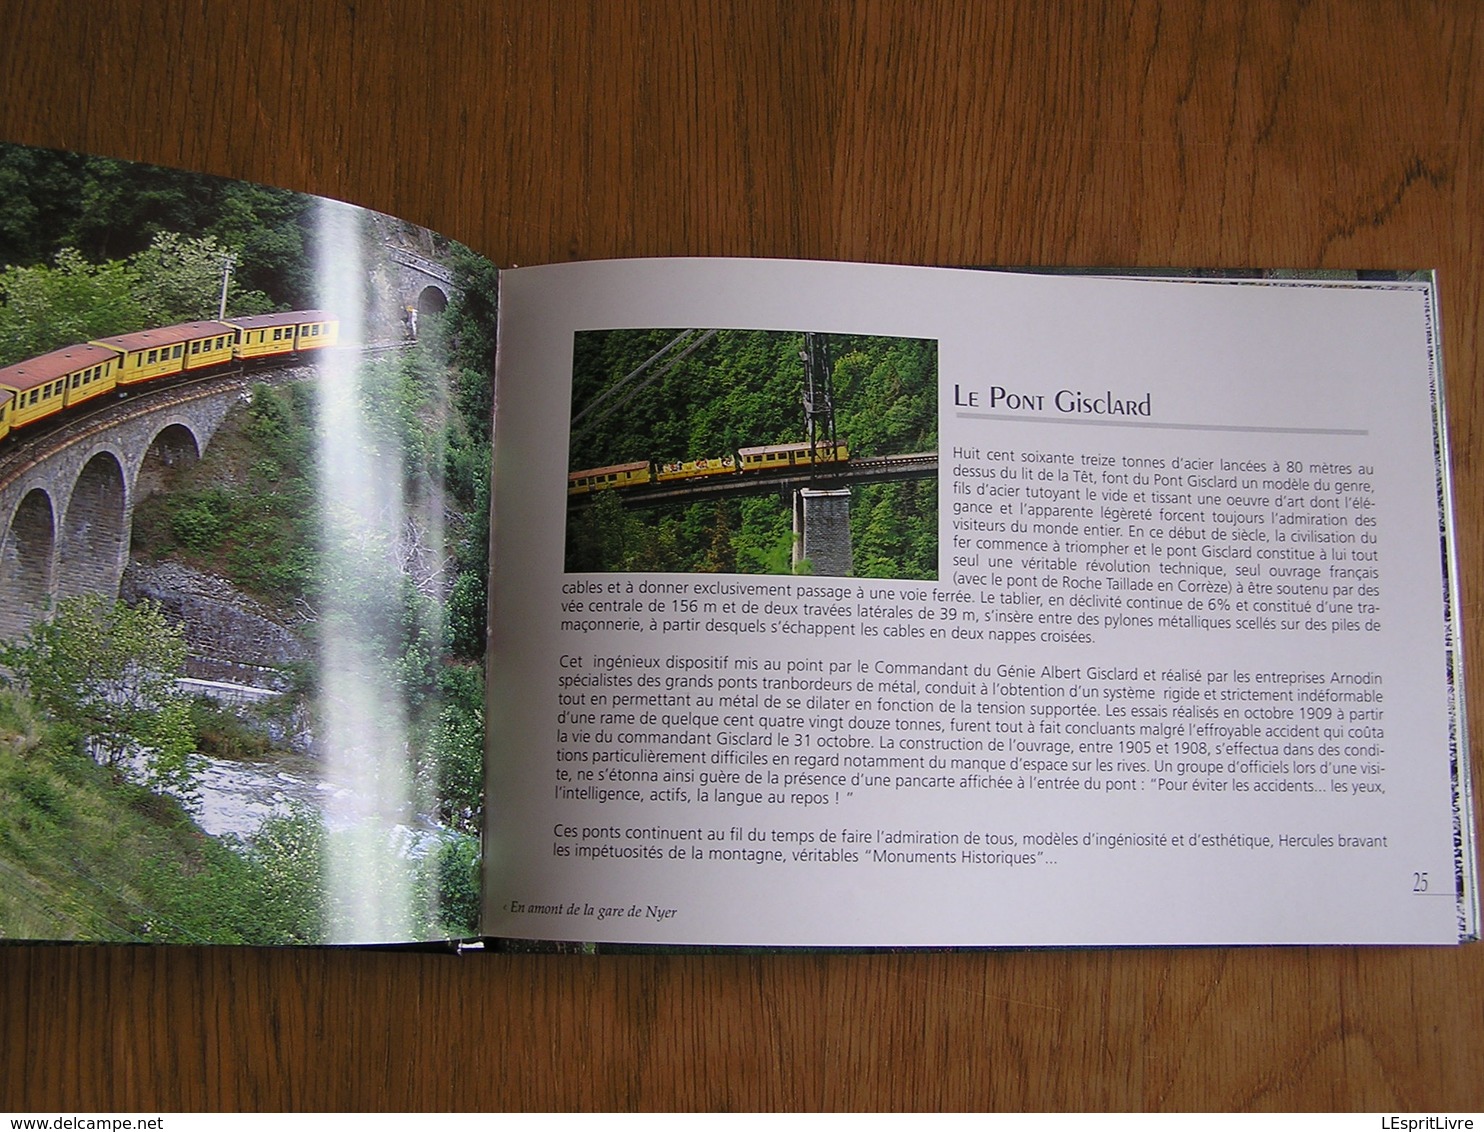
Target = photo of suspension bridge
(753,452)
(244,498)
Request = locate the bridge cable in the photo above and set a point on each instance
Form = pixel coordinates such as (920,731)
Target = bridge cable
(630,393)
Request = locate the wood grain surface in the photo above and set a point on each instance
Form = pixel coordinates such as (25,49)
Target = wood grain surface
(1273,133)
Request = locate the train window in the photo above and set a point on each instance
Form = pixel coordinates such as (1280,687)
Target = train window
(152,354)
(175,353)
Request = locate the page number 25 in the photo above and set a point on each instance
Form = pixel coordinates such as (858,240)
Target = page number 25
(1419,882)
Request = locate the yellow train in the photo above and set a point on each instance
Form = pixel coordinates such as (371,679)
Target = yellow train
(765,457)
(41,387)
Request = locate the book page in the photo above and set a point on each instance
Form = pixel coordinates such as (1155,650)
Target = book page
(861,606)
(244,449)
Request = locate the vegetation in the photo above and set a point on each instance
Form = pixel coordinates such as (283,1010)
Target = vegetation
(742,388)
(88,854)
(92,732)
(97,749)
(251,511)
(106,673)
(93,247)
(99,678)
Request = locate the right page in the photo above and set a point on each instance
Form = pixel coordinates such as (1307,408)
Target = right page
(847,605)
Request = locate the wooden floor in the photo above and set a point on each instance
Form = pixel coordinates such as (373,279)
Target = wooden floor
(1283,133)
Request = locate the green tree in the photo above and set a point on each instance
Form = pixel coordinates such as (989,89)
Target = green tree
(267,228)
(40,190)
(179,279)
(109,209)
(171,762)
(107,671)
(46,307)
(287,886)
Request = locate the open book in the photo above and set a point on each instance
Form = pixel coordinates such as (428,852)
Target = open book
(828,604)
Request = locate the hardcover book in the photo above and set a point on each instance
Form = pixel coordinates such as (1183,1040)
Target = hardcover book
(353,590)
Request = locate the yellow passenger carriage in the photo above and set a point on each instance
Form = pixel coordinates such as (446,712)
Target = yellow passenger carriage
(38,387)
(167,350)
(316,329)
(615,475)
(690,469)
(212,344)
(766,456)
(287,332)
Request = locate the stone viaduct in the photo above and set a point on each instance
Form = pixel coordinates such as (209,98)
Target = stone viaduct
(67,513)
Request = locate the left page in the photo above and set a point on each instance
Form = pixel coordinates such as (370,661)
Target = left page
(244,474)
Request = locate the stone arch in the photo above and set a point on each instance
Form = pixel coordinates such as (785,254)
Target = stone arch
(27,552)
(94,531)
(173,448)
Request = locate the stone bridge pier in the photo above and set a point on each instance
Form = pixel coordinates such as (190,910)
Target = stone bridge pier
(66,516)
(822,531)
